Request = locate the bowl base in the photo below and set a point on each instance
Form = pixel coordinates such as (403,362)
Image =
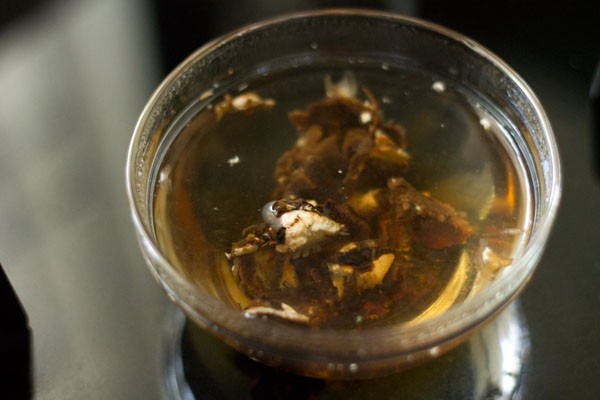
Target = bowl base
(489,365)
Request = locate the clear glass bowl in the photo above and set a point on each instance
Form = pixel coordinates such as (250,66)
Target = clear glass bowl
(344,36)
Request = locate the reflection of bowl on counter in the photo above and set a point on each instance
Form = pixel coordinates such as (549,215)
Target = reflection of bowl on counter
(490,363)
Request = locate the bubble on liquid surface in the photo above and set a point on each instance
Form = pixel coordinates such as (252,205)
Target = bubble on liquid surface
(269,215)
(439,86)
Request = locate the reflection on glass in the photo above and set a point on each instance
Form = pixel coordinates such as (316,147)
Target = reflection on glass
(488,366)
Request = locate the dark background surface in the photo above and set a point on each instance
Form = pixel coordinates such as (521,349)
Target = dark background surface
(554,46)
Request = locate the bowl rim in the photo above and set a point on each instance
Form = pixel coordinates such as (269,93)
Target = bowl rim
(386,341)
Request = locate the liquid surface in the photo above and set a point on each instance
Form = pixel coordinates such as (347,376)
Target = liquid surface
(218,173)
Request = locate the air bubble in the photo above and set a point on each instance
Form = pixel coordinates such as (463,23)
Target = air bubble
(485,123)
(270,216)
(164,176)
(233,160)
(439,86)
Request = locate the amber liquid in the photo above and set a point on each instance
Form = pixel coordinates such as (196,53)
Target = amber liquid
(214,177)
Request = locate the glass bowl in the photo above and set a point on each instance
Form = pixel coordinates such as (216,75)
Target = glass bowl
(347,38)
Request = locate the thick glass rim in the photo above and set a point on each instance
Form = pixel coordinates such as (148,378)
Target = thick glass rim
(382,343)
